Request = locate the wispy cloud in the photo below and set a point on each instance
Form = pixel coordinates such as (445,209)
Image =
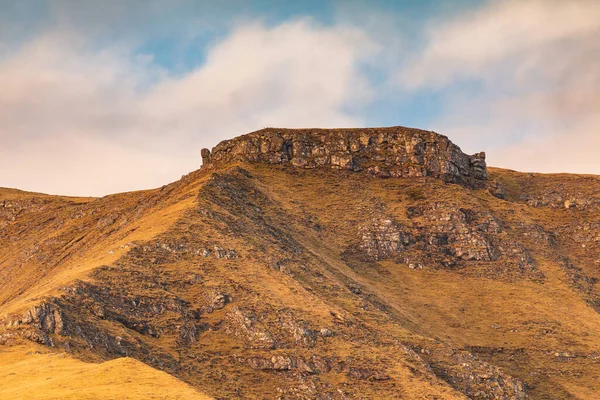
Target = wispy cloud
(114,118)
(509,34)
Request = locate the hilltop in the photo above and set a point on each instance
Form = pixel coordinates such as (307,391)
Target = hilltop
(315,263)
(383,152)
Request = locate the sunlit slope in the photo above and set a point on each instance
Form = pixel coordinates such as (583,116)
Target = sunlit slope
(185,301)
(264,279)
(538,319)
(49,241)
(33,372)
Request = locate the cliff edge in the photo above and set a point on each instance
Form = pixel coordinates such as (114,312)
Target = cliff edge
(384,152)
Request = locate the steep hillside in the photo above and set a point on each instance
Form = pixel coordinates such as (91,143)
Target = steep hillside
(372,263)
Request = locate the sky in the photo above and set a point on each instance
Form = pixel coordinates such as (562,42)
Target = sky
(112,96)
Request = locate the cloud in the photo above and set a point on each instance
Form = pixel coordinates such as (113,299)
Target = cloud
(484,42)
(518,79)
(72,113)
(294,74)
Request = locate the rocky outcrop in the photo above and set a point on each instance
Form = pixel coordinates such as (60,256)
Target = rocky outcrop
(384,152)
(284,363)
(36,324)
(383,239)
(561,196)
(442,234)
(472,376)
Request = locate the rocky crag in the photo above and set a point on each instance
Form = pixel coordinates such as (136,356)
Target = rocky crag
(385,152)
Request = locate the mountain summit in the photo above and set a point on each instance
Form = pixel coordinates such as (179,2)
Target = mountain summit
(384,152)
(287,268)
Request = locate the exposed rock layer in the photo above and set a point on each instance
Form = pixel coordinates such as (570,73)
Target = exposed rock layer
(385,152)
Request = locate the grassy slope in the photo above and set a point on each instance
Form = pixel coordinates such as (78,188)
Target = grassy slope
(466,311)
(78,234)
(267,288)
(34,372)
(31,371)
(461,307)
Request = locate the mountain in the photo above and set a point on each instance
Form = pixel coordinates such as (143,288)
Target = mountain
(317,263)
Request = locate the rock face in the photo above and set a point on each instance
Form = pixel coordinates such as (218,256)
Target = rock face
(443,235)
(384,152)
(476,378)
(383,239)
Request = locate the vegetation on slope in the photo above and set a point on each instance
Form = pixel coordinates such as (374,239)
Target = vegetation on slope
(34,372)
(256,281)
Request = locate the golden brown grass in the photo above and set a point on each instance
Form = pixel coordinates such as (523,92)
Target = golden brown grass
(33,372)
(458,308)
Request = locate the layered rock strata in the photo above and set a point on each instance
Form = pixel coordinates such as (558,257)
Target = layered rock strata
(384,152)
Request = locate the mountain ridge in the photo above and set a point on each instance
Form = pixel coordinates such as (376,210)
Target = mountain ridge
(385,152)
(268,280)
